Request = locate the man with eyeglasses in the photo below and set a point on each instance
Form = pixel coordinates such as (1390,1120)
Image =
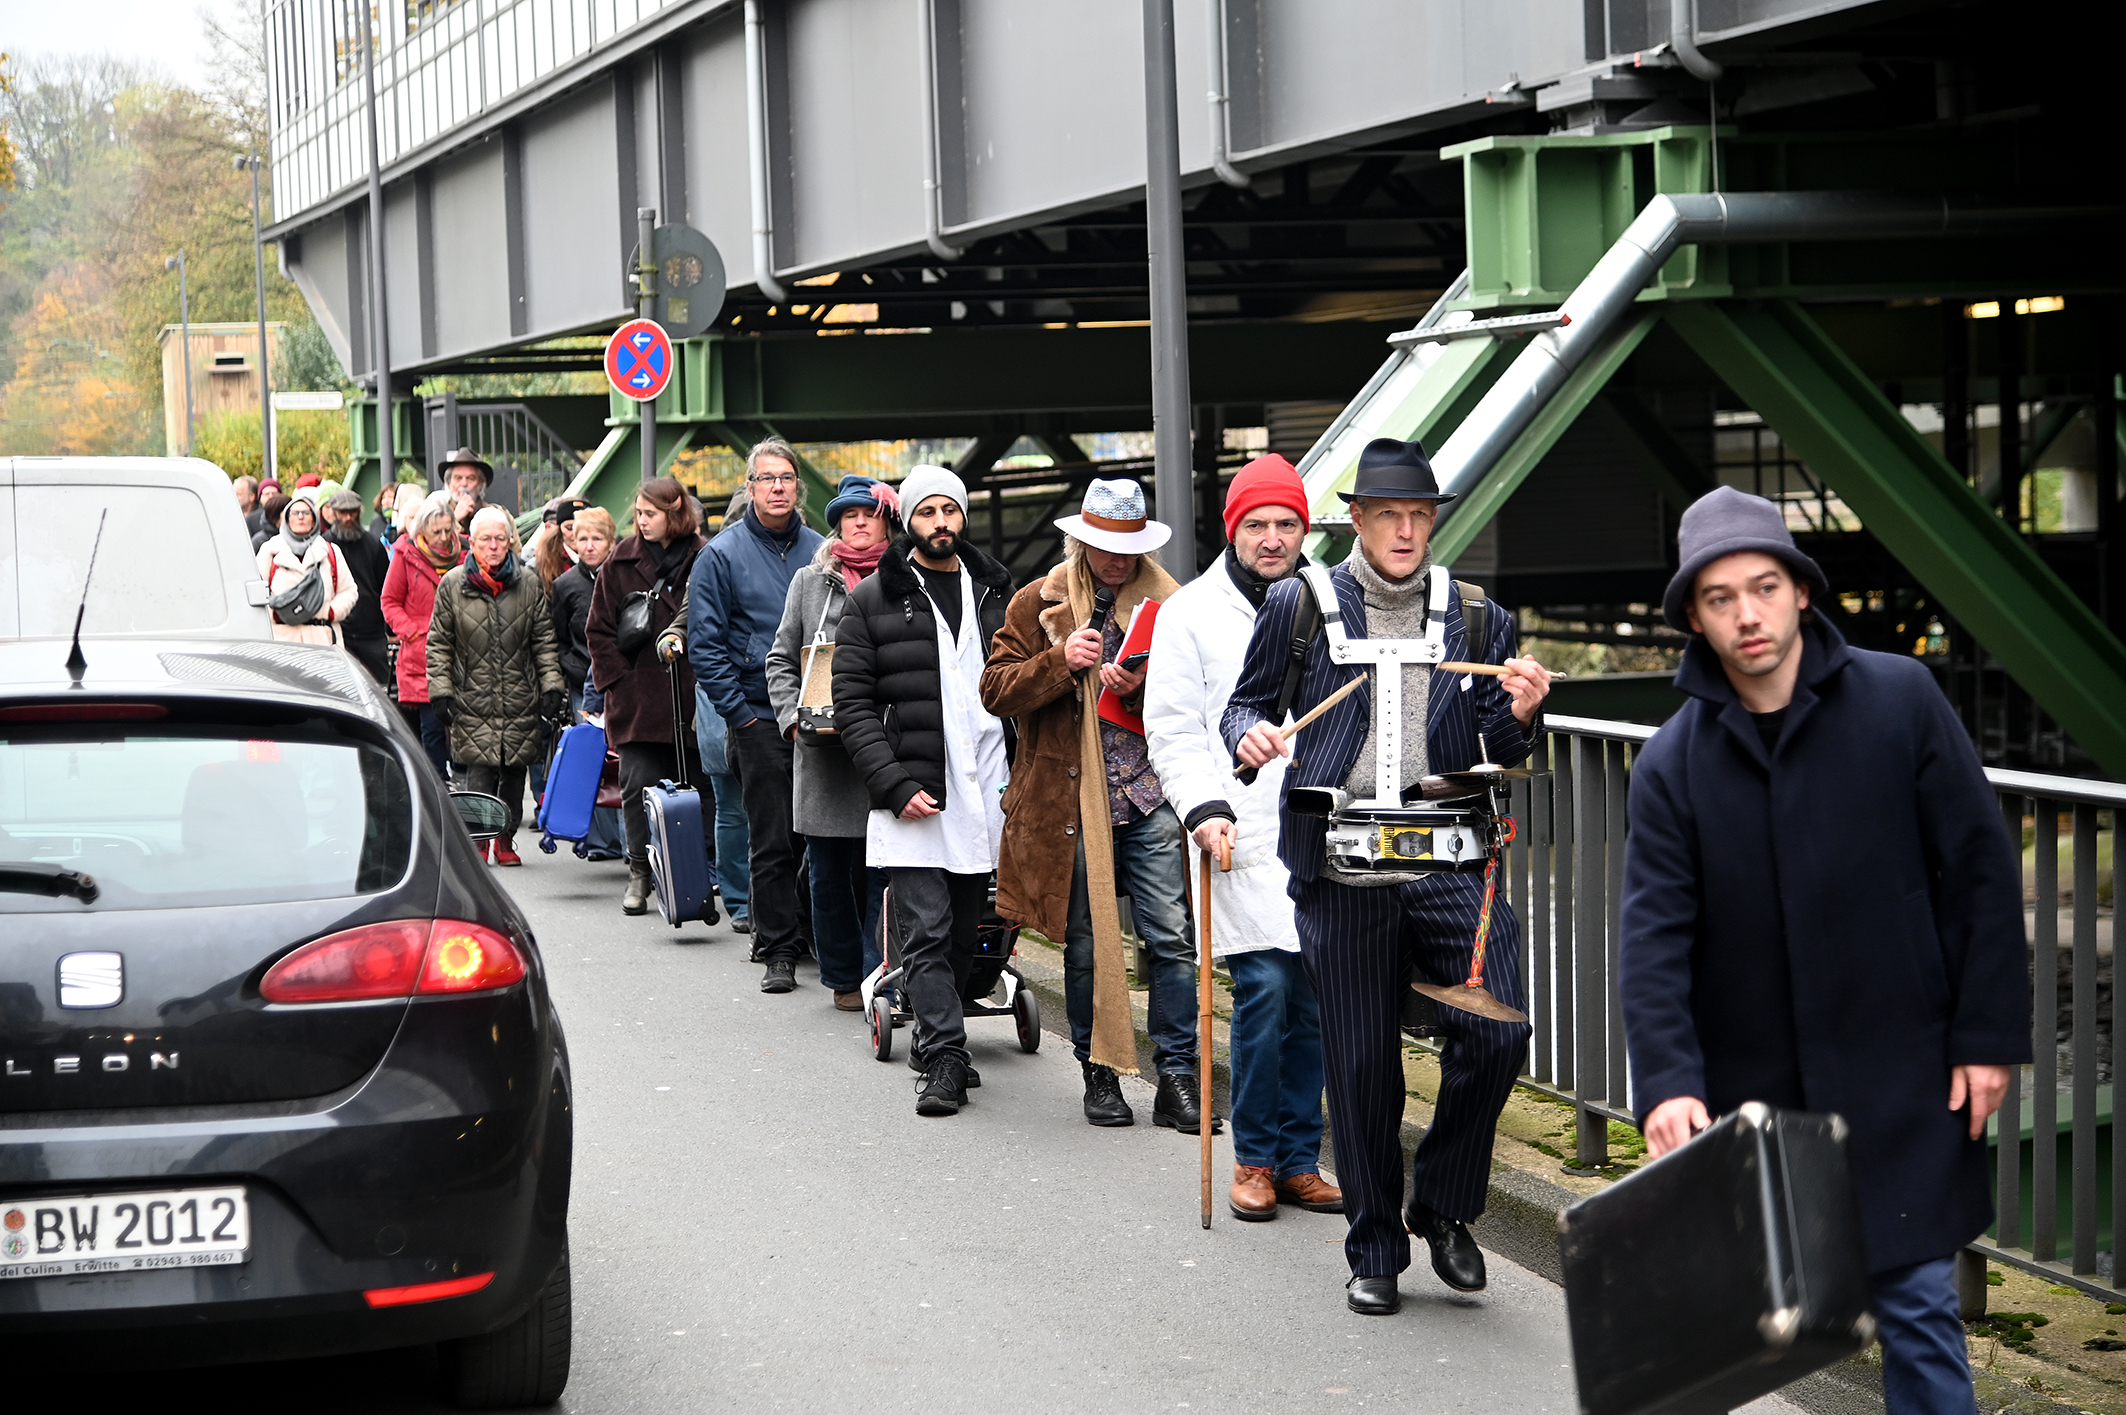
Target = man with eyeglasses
(735,603)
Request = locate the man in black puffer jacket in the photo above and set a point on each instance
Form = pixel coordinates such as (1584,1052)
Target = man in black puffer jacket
(907,702)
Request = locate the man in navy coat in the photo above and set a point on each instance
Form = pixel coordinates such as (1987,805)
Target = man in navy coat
(1822,911)
(1360,935)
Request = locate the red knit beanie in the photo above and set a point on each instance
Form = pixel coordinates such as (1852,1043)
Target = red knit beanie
(1266,481)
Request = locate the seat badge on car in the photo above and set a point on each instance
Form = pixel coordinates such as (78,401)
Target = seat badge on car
(91,979)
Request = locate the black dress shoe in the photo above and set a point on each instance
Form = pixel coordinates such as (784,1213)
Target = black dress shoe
(1103,1097)
(1176,1104)
(741,926)
(943,1089)
(1373,1296)
(780,977)
(1455,1256)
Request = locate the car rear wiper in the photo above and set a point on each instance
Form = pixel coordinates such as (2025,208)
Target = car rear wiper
(57,881)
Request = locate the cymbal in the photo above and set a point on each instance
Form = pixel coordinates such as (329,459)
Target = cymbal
(1466,998)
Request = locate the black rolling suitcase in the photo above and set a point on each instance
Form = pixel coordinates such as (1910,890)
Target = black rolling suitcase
(1720,1272)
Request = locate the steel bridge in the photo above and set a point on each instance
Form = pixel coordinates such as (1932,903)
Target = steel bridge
(933,217)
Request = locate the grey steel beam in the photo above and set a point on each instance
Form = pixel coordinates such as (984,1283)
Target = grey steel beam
(1162,239)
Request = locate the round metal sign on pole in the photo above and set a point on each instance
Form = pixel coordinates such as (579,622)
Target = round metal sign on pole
(638,360)
(690,280)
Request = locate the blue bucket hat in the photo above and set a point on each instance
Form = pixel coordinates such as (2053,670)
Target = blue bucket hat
(853,492)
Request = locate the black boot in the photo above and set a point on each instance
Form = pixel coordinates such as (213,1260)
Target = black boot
(1103,1097)
(1455,1256)
(943,1089)
(1176,1104)
(920,1066)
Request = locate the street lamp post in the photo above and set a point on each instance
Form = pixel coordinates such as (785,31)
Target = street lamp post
(184,336)
(268,443)
(379,326)
(1173,470)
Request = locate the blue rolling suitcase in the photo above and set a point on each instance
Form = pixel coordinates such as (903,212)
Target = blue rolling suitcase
(565,811)
(679,848)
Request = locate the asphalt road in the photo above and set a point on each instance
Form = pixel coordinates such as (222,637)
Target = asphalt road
(761,1222)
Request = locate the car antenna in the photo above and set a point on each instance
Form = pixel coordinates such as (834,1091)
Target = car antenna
(76,665)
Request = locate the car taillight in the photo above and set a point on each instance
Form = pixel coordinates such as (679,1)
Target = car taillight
(394,959)
(375,960)
(466,957)
(426,1291)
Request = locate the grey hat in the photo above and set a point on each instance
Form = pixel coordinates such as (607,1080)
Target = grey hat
(1727,522)
(924,481)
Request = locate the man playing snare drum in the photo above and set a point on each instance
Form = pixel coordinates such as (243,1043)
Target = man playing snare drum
(1360,933)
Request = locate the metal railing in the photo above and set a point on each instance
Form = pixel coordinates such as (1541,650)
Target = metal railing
(1564,874)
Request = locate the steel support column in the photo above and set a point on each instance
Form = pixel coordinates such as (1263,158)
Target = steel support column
(1783,364)
(1467,517)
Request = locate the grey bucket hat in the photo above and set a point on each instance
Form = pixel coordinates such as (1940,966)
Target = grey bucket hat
(1726,522)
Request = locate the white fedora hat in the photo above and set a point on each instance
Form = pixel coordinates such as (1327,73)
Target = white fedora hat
(1112,518)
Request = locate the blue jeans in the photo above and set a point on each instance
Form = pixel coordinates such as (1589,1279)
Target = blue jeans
(1925,1366)
(435,738)
(1150,867)
(1276,1063)
(845,907)
(734,848)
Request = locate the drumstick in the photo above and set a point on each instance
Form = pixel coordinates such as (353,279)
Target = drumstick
(1288,733)
(1491,670)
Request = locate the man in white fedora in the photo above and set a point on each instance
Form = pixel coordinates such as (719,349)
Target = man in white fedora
(1085,813)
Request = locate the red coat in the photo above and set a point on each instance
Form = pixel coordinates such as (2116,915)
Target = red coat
(409,603)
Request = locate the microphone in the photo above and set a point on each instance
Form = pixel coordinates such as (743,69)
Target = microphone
(1103,609)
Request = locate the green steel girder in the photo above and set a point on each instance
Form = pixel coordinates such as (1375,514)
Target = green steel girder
(1802,384)
(1425,407)
(612,472)
(1541,210)
(1468,517)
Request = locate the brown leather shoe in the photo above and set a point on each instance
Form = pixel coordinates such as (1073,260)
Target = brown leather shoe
(848,1002)
(1311,1192)
(1254,1196)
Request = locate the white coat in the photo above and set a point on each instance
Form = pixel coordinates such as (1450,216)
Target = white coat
(1198,645)
(279,567)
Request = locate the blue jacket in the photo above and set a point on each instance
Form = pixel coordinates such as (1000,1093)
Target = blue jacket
(734,604)
(1830,926)
(1324,753)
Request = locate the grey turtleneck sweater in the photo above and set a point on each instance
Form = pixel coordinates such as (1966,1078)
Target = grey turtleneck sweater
(1395,609)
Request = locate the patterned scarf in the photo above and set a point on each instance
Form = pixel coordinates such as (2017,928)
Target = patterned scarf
(492,581)
(856,563)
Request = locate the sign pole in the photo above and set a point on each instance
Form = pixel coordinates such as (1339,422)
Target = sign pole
(646,308)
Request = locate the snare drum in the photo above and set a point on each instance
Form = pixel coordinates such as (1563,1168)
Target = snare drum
(1412,839)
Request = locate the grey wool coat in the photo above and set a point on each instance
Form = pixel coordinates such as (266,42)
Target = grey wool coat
(830,798)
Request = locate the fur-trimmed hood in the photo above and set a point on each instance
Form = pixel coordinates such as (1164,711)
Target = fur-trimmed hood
(898,578)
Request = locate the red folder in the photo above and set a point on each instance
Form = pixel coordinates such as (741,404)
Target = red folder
(1137,640)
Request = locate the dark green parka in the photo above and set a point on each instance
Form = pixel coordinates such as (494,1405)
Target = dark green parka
(493,655)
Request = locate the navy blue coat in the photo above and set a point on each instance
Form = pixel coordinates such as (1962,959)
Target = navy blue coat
(1324,752)
(1831,927)
(735,601)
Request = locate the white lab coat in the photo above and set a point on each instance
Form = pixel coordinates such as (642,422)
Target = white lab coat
(1198,644)
(963,837)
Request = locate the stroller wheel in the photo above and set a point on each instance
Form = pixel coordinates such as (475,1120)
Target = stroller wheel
(1026,1012)
(882,1028)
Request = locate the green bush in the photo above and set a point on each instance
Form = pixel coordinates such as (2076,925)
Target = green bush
(307,442)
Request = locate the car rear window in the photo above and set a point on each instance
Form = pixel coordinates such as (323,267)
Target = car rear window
(158,572)
(168,814)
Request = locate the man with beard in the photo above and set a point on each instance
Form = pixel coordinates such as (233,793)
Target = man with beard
(366,634)
(912,644)
(1197,645)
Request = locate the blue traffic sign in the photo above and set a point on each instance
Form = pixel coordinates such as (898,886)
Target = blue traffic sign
(638,360)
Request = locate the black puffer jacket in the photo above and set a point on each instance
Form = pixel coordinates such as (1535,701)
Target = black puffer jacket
(572,609)
(887,703)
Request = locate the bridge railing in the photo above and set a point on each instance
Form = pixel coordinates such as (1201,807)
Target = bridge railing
(2060,1174)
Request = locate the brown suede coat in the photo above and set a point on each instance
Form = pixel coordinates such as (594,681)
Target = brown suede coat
(1053,795)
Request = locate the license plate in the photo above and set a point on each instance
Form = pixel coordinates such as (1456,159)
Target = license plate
(111,1233)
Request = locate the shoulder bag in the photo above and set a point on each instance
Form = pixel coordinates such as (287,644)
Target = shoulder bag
(815,693)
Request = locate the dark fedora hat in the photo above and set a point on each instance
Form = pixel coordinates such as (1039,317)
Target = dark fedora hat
(466,457)
(1395,471)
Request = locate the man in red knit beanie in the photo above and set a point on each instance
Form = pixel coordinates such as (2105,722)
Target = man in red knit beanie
(1198,645)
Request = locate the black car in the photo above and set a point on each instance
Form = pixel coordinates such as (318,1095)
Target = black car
(279,1075)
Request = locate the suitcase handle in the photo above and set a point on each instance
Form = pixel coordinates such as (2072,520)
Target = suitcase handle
(679,746)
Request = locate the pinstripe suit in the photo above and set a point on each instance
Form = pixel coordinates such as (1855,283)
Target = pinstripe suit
(1359,944)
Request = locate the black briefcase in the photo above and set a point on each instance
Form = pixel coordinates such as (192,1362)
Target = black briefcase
(1720,1272)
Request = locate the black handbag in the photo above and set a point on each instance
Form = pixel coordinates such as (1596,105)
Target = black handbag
(636,624)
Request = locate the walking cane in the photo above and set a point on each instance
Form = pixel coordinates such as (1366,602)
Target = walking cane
(1204,1037)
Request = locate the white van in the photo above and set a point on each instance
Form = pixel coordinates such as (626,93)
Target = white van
(175,562)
